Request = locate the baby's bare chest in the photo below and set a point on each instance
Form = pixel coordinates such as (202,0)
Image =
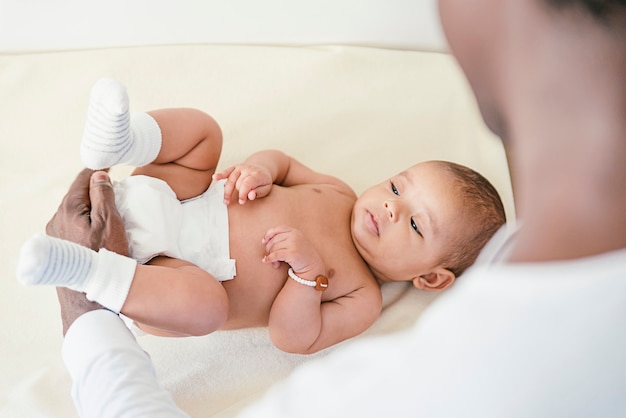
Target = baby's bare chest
(320,213)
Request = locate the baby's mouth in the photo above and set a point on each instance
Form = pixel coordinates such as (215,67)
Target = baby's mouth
(371,223)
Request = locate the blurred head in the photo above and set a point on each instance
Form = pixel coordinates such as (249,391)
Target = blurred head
(487,37)
(473,29)
(427,224)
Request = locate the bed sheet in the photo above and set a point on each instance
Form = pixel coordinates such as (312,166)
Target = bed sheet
(362,114)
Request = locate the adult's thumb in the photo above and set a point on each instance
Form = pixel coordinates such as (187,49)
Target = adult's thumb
(101,196)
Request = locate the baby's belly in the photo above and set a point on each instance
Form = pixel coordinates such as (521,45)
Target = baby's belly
(314,212)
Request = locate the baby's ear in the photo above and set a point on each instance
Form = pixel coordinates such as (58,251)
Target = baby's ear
(437,280)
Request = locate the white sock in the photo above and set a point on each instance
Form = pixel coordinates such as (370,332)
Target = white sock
(114,136)
(104,276)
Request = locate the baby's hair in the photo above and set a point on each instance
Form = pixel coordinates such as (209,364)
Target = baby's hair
(483,214)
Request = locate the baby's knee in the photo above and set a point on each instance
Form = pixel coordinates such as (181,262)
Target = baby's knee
(208,315)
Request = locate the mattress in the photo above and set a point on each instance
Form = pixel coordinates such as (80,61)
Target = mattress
(360,113)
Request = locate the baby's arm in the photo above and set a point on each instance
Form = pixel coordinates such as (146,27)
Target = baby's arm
(255,176)
(297,325)
(299,321)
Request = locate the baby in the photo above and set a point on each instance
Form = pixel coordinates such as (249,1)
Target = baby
(268,242)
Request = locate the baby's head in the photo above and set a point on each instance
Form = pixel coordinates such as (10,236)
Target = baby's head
(427,224)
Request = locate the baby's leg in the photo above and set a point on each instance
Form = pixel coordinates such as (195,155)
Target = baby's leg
(109,137)
(180,146)
(188,300)
(168,294)
(190,150)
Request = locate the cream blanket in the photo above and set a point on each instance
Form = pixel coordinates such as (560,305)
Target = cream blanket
(361,114)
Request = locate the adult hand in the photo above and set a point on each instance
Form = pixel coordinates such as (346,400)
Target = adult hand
(88,216)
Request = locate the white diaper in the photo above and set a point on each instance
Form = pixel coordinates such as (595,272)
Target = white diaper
(157,223)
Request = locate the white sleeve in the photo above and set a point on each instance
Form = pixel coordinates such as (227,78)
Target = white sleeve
(111,375)
(352,381)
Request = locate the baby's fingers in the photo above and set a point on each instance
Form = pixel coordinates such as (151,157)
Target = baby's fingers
(224,173)
(271,258)
(231,175)
(275,251)
(252,186)
(272,232)
(245,194)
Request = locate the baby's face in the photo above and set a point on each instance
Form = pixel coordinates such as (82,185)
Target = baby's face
(402,226)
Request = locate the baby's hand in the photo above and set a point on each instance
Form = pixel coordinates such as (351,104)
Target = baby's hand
(251,182)
(283,243)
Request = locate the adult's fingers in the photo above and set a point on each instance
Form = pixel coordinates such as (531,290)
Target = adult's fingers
(107,227)
(73,210)
(80,185)
(77,197)
(102,198)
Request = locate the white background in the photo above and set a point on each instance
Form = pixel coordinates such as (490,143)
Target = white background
(36,25)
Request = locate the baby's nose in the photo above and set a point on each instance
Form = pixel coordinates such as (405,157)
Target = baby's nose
(392,210)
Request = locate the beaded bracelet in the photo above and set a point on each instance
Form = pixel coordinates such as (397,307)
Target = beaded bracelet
(320,283)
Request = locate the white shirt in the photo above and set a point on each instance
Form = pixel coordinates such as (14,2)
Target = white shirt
(111,375)
(507,340)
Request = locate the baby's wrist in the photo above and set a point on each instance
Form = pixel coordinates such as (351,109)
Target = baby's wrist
(320,283)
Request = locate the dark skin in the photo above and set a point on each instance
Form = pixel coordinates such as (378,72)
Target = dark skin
(88,216)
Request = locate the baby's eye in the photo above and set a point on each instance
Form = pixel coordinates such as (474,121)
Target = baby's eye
(414,226)
(394,190)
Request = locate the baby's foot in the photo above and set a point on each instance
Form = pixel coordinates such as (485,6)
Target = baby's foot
(107,135)
(104,275)
(45,260)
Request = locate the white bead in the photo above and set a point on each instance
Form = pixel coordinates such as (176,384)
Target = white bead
(300,280)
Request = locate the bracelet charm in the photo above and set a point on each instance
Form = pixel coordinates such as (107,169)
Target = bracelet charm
(320,283)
